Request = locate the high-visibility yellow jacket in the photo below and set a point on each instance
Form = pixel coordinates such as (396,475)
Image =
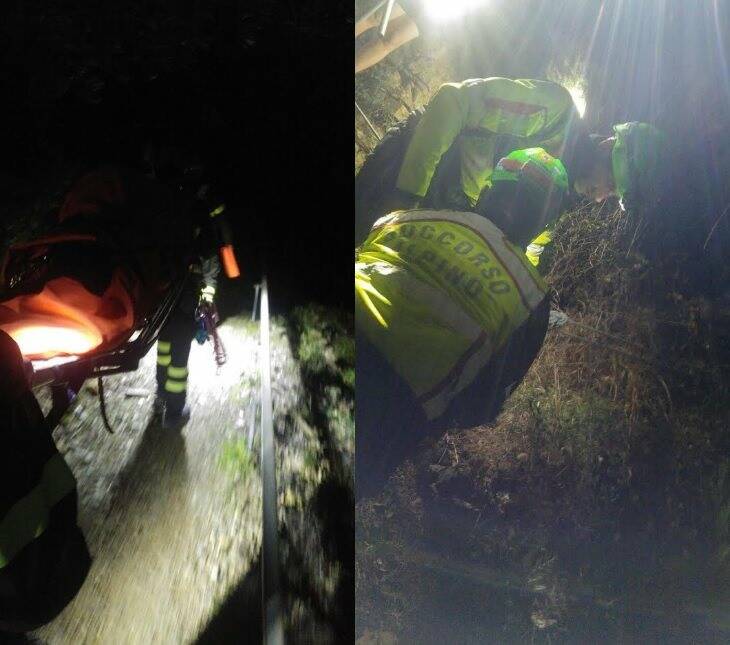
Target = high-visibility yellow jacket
(479,114)
(487,118)
(438,293)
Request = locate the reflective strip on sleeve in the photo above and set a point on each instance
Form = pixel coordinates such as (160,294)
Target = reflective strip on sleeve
(533,254)
(218,210)
(164,360)
(177,372)
(163,347)
(537,246)
(175,387)
(27,519)
(535,249)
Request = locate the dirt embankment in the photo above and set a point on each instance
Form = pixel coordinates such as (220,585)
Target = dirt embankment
(596,506)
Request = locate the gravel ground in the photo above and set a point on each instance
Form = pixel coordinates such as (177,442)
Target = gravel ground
(173,522)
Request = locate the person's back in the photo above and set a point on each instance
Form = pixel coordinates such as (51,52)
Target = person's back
(449,313)
(487,119)
(446,278)
(453,148)
(442,298)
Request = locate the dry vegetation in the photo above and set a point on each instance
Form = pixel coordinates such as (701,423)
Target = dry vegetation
(402,82)
(600,491)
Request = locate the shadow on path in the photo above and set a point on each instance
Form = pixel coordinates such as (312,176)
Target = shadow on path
(157,467)
(238,620)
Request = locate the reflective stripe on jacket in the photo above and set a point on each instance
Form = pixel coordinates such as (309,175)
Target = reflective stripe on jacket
(438,292)
(537,246)
(485,115)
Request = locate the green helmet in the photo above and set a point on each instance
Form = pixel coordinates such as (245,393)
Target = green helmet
(534,167)
(637,156)
(529,183)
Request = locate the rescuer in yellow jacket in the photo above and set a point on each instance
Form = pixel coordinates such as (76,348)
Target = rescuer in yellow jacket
(449,314)
(487,118)
(444,156)
(466,128)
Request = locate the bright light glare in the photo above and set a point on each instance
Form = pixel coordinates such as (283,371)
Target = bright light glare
(42,364)
(45,341)
(578,98)
(445,10)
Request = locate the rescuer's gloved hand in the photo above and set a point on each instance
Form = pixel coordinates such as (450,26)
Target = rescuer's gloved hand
(207,295)
(207,310)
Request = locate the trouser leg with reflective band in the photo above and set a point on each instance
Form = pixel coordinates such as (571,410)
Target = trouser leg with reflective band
(173,350)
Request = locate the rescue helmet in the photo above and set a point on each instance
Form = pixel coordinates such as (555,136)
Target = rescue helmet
(540,178)
(526,194)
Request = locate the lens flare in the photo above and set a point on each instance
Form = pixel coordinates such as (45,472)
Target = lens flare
(46,341)
(446,10)
(578,98)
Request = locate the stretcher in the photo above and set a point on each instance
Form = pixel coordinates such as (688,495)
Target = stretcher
(90,299)
(72,322)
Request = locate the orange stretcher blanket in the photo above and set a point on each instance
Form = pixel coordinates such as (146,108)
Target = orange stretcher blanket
(65,319)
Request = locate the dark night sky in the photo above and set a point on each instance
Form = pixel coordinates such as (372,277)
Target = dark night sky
(259,90)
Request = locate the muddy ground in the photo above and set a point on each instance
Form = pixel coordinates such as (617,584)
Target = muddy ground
(173,519)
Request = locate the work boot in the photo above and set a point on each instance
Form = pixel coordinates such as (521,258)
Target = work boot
(175,419)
